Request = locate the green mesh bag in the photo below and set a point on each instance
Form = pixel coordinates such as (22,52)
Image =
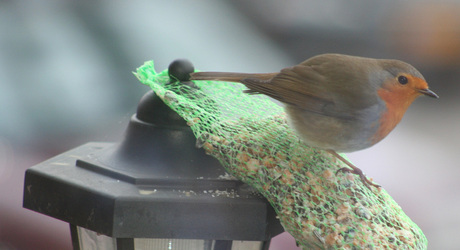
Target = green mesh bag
(249,135)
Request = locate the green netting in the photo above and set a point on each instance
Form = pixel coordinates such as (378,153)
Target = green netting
(249,135)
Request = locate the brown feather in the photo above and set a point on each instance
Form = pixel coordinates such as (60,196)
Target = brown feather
(328,84)
(228,77)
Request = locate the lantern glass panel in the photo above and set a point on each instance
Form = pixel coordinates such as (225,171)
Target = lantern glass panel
(90,240)
(187,244)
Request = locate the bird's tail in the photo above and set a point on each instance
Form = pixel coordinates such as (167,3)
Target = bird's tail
(228,77)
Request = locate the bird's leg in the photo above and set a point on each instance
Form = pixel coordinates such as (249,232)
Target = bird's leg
(353,170)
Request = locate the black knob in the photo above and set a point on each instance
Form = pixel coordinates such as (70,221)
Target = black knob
(180,69)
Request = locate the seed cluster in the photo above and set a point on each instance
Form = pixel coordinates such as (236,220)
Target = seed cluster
(321,209)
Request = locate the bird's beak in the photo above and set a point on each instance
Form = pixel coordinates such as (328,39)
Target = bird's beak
(428,92)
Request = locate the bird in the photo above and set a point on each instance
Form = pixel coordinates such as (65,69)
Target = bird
(338,103)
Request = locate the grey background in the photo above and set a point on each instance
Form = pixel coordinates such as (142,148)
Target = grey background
(66,79)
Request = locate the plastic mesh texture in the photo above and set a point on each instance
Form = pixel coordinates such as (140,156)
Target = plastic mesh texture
(249,135)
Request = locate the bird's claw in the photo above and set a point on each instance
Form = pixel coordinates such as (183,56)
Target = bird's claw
(361,175)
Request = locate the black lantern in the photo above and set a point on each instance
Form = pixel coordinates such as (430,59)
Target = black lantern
(154,190)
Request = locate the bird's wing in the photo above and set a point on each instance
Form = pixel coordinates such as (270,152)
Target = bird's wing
(302,86)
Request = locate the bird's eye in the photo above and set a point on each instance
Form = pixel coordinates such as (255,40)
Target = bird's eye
(403,80)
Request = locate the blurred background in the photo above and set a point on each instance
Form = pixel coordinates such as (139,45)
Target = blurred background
(66,79)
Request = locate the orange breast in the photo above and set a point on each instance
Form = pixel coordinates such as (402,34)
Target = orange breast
(397,100)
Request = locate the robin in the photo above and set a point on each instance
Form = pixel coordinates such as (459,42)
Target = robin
(338,103)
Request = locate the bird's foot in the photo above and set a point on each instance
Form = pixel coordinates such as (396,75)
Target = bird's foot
(361,175)
(353,170)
